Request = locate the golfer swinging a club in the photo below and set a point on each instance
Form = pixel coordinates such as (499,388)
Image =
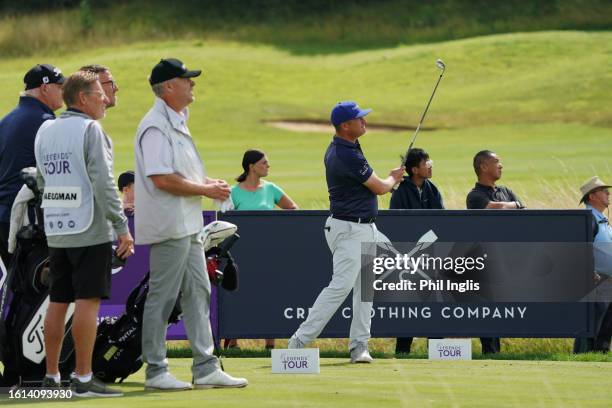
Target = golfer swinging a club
(353,186)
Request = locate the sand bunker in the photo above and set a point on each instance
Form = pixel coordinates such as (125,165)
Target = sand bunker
(298,125)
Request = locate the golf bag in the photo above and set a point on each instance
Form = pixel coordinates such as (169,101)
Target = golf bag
(118,348)
(221,267)
(23,349)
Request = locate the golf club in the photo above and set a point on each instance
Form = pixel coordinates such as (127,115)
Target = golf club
(441,66)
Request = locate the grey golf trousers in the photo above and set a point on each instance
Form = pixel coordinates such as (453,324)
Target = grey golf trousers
(177,265)
(344,239)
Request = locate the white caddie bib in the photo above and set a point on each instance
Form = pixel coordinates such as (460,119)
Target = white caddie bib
(68,195)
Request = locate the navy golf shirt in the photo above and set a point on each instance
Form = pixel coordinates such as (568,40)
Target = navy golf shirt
(346,169)
(17,134)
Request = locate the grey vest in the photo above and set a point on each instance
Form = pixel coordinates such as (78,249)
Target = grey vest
(159,215)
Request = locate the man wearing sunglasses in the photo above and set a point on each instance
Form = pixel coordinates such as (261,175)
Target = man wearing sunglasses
(109,85)
(416,192)
(82,210)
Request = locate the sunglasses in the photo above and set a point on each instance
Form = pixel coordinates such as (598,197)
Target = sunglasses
(112,82)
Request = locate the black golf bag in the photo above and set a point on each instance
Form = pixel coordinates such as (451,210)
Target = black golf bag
(27,281)
(221,266)
(118,349)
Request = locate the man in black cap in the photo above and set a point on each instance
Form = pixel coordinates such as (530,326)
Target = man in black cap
(170,181)
(42,96)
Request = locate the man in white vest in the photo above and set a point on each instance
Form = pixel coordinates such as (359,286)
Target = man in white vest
(81,210)
(170,181)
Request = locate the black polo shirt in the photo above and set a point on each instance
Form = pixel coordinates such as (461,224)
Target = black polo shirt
(346,169)
(17,133)
(481,195)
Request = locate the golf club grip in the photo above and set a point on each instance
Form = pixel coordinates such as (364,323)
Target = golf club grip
(396,186)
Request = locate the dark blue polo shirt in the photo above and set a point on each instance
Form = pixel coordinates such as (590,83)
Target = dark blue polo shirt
(346,169)
(17,133)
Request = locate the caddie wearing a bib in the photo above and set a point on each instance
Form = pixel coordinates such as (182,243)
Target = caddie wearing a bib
(81,210)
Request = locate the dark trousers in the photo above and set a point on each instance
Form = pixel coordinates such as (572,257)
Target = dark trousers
(403,345)
(4,234)
(490,345)
(601,342)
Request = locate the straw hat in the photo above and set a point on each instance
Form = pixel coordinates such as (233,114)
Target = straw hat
(592,184)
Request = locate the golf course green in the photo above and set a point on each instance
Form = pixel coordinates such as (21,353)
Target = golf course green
(385,383)
(541,100)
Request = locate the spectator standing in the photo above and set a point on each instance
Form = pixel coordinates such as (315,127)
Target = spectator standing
(170,181)
(41,97)
(74,160)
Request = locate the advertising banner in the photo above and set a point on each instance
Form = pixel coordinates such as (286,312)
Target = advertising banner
(285,263)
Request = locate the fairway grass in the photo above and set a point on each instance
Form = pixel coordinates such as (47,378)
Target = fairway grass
(385,383)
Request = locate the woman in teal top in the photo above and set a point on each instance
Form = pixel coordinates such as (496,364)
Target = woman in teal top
(253,193)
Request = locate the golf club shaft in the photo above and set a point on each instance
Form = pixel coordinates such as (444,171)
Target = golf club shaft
(422,118)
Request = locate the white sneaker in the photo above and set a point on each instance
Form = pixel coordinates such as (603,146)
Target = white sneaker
(166,382)
(295,343)
(360,354)
(220,379)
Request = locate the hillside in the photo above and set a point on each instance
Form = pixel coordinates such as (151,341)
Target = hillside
(541,100)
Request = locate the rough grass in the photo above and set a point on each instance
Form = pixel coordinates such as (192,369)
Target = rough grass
(305,27)
(385,383)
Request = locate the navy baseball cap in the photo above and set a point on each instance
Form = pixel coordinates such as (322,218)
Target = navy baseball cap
(42,74)
(170,68)
(345,111)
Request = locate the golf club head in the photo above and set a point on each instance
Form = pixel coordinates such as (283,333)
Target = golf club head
(440,64)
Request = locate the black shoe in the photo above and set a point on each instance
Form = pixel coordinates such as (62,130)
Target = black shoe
(93,388)
(49,382)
